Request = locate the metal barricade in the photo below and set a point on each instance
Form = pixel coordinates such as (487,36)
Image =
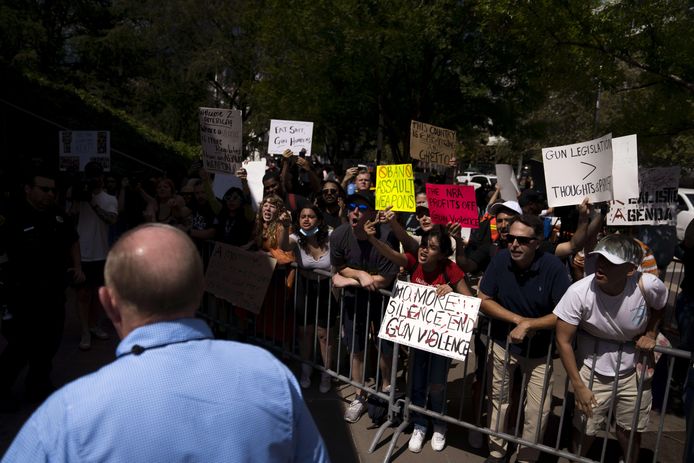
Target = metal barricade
(308,325)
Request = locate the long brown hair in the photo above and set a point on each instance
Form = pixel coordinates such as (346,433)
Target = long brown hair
(260,233)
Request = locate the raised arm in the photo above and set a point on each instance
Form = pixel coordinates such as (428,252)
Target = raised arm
(385,250)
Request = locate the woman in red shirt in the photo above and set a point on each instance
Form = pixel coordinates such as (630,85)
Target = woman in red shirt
(431,267)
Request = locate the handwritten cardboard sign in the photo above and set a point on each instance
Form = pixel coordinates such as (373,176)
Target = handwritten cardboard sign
(395,187)
(656,203)
(289,135)
(78,147)
(453,203)
(239,276)
(573,172)
(432,144)
(221,137)
(417,317)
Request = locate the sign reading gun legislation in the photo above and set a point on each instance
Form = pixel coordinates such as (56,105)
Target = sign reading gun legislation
(221,137)
(395,187)
(77,147)
(432,144)
(573,172)
(289,135)
(656,203)
(239,276)
(453,203)
(415,316)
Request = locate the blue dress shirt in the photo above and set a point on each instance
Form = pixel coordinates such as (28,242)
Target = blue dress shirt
(175,394)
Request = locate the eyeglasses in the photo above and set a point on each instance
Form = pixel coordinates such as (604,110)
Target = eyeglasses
(330,191)
(423,212)
(46,189)
(522,240)
(362,207)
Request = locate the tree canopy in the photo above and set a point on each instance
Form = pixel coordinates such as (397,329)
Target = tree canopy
(536,73)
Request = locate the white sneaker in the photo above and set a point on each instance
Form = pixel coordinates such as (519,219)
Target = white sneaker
(326,382)
(305,380)
(475,439)
(417,439)
(355,410)
(438,439)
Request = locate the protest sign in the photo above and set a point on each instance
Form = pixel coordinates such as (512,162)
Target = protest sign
(625,167)
(289,135)
(432,144)
(415,316)
(221,138)
(255,171)
(239,276)
(453,203)
(395,187)
(506,179)
(222,182)
(573,172)
(78,147)
(656,203)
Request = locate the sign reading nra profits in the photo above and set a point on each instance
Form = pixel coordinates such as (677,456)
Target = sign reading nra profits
(417,317)
(453,203)
(656,203)
(432,144)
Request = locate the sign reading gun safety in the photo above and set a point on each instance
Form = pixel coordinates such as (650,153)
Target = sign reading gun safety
(432,144)
(239,276)
(656,203)
(453,203)
(221,138)
(395,187)
(573,172)
(415,316)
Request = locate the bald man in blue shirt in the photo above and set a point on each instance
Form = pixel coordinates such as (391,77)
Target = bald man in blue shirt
(173,393)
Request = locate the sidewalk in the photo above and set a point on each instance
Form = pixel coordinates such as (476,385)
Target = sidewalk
(346,442)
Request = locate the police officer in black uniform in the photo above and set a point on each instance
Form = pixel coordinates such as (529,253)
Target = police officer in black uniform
(43,257)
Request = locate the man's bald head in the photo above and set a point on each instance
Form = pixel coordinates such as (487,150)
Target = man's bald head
(156,270)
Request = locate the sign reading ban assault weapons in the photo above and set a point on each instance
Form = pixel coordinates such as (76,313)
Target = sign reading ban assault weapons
(415,316)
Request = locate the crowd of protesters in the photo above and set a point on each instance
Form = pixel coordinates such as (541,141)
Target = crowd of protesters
(595,288)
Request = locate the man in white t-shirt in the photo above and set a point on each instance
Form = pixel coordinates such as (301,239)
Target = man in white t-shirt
(614,313)
(96,210)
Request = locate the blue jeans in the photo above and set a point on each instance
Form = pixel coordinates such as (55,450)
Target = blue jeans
(429,373)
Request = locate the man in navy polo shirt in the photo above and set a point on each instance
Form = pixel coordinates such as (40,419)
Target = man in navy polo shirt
(519,291)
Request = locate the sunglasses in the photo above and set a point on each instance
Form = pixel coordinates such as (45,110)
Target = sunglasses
(329,191)
(522,240)
(423,212)
(362,207)
(46,189)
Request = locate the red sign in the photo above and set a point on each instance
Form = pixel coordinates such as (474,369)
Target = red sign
(453,203)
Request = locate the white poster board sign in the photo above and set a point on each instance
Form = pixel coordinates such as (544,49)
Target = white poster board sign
(256,171)
(221,136)
(656,203)
(77,147)
(417,317)
(289,135)
(625,167)
(573,172)
(506,179)
(239,276)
